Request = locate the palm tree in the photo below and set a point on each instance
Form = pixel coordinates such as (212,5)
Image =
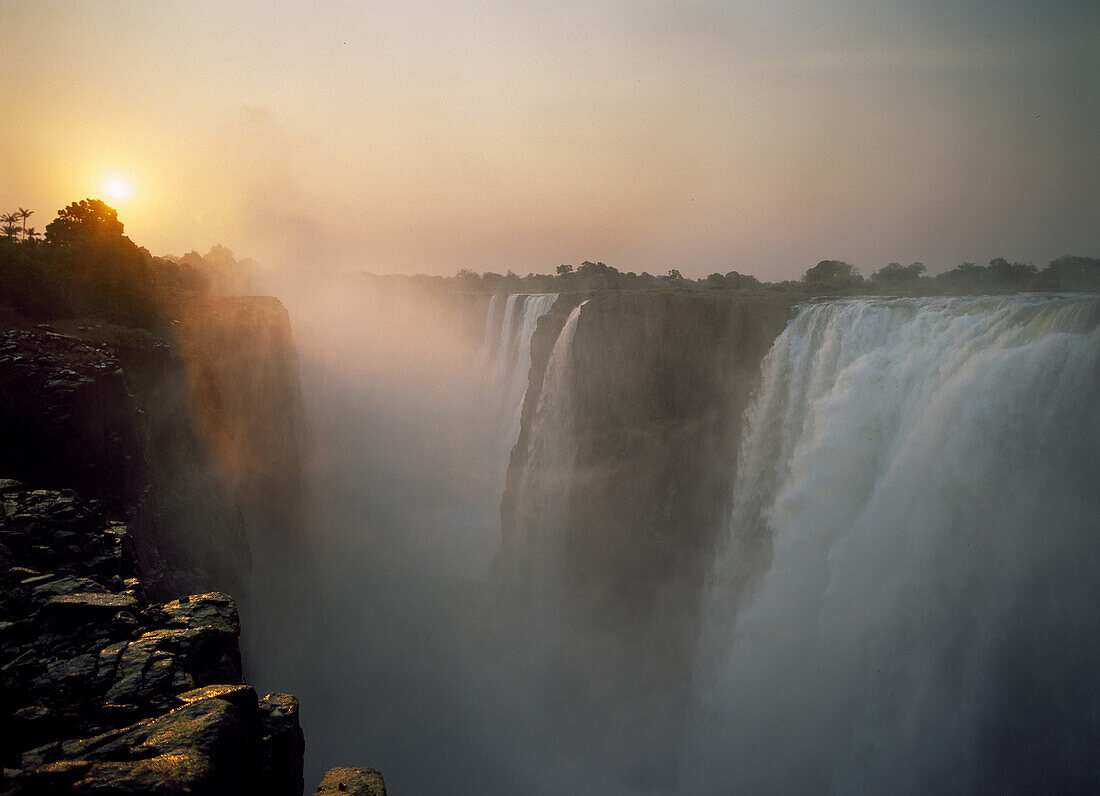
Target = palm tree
(24,214)
(31,235)
(10,229)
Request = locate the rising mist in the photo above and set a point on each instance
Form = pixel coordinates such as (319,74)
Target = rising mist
(890,589)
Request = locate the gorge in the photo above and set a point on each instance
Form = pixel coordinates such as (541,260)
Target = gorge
(697,542)
(666,541)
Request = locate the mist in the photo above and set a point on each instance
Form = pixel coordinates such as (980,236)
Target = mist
(884,583)
(405,490)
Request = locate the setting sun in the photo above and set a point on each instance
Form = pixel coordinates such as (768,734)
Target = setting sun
(117,188)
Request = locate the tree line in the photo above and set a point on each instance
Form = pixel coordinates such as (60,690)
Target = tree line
(85,266)
(828,277)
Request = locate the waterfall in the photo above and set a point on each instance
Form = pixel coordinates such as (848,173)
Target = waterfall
(512,361)
(542,494)
(908,599)
(506,363)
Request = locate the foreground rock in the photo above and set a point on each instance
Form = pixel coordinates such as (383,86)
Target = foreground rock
(102,691)
(355,781)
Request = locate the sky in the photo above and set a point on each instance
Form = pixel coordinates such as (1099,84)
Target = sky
(425,137)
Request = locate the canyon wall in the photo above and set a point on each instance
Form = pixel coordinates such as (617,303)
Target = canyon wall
(178,455)
(191,434)
(618,495)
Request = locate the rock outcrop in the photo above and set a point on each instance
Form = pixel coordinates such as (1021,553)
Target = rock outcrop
(105,691)
(353,781)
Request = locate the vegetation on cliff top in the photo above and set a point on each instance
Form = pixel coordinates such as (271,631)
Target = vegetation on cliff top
(86,267)
(828,277)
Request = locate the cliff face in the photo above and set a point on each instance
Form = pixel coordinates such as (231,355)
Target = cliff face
(246,399)
(161,452)
(191,435)
(108,413)
(658,384)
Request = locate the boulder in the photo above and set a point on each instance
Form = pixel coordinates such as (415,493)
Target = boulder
(354,781)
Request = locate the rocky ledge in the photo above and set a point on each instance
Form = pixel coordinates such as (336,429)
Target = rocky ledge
(102,691)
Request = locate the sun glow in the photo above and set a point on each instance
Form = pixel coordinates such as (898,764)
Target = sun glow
(117,188)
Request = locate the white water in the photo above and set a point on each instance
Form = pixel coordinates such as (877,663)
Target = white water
(506,359)
(509,360)
(909,598)
(542,496)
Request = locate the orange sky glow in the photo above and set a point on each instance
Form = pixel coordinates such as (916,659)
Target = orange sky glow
(428,137)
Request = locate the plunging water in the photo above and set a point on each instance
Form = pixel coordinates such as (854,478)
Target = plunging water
(908,599)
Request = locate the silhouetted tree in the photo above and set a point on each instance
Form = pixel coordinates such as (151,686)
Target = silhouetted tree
(86,221)
(110,274)
(898,275)
(1011,274)
(24,214)
(1000,276)
(833,273)
(564,269)
(1071,272)
(10,228)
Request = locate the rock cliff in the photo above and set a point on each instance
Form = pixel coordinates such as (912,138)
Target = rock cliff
(657,386)
(105,691)
(157,461)
(192,433)
(243,369)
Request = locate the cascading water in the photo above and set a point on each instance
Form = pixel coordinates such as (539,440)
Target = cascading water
(506,357)
(509,361)
(542,501)
(908,599)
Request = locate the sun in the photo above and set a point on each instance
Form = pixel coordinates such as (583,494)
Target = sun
(117,189)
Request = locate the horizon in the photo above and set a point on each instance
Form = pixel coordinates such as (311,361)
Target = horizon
(711,137)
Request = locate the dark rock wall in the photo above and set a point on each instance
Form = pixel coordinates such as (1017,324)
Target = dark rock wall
(243,369)
(109,414)
(660,383)
(191,434)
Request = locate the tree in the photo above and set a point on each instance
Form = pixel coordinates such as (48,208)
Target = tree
(1011,274)
(1071,272)
(107,271)
(10,228)
(24,214)
(86,221)
(835,273)
(564,269)
(897,274)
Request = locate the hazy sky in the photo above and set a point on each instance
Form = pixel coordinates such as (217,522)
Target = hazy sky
(404,136)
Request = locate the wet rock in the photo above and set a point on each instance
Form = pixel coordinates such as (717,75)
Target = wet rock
(354,781)
(107,693)
(90,606)
(283,746)
(55,587)
(243,696)
(214,610)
